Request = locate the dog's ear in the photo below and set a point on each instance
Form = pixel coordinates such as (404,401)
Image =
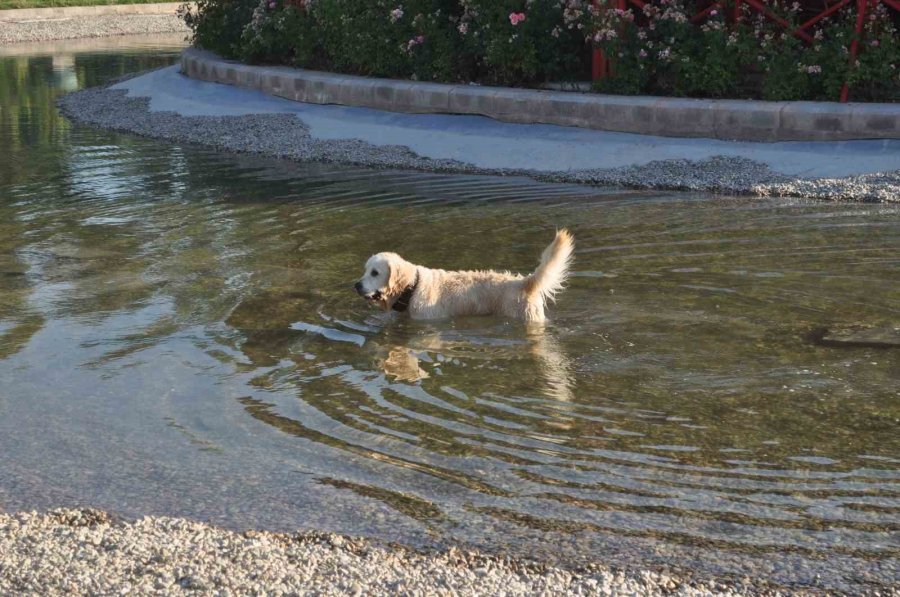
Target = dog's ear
(402,274)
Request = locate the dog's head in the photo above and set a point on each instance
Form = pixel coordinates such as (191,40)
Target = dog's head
(385,278)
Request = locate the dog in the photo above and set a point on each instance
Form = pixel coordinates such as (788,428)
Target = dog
(394,284)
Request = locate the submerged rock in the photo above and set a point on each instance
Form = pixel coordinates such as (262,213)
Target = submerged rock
(859,336)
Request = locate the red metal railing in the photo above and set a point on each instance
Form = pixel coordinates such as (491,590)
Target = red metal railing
(602,67)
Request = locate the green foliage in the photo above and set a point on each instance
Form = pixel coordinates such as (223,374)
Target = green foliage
(440,40)
(284,36)
(785,77)
(218,25)
(521,42)
(659,51)
(656,50)
(357,37)
(876,74)
(390,38)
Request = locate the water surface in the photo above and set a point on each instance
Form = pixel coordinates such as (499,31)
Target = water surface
(178,335)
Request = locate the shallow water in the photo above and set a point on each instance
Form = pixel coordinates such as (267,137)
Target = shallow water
(178,335)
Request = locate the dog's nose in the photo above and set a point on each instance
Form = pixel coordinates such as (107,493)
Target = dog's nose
(358,288)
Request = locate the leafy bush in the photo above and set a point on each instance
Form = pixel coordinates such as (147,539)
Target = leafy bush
(520,42)
(282,35)
(655,50)
(390,38)
(218,25)
(659,51)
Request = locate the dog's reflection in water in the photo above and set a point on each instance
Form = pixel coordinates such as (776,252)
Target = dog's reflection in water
(554,365)
(404,363)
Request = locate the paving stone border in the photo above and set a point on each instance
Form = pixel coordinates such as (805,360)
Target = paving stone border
(671,117)
(64,12)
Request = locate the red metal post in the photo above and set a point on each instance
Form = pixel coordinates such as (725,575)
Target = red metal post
(705,12)
(599,62)
(832,9)
(761,9)
(603,66)
(621,5)
(854,45)
(598,65)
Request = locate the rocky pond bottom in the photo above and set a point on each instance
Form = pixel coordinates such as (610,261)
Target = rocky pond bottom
(179,337)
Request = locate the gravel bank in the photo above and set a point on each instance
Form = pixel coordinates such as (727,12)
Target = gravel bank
(76,552)
(88,26)
(285,136)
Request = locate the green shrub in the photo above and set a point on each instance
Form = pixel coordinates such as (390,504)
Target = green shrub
(358,37)
(391,38)
(658,51)
(655,50)
(218,25)
(522,41)
(280,34)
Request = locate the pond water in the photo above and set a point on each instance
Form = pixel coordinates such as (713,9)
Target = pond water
(178,335)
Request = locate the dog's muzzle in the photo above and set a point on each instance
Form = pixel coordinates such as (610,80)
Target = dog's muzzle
(369,296)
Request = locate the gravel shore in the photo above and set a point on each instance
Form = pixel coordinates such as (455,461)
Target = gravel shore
(88,26)
(78,552)
(286,136)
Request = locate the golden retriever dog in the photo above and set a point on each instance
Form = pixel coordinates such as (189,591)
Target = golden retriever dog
(392,283)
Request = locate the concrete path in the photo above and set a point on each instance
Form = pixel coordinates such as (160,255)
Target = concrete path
(488,143)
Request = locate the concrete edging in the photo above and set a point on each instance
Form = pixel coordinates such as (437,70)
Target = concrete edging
(63,12)
(672,117)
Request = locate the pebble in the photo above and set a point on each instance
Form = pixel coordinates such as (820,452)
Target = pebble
(88,26)
(57,553)
(286,136)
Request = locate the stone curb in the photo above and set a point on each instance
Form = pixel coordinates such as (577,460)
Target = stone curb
(63,12)
(670,117)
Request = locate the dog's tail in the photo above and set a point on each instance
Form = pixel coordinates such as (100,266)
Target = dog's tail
(550,275)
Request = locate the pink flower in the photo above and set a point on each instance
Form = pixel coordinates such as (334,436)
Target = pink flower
(516,17)
(874,43)
(713,13)
(642,53)
(272,4)
(396,14)
(463,28)
(416,41)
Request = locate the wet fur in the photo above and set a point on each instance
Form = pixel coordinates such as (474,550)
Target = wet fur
(441,294)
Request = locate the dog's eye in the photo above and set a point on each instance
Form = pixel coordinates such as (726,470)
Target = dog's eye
(374,272)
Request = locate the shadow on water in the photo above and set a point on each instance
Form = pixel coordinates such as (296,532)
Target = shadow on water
(178,336)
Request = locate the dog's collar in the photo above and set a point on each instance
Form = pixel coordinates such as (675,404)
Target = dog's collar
(402,302)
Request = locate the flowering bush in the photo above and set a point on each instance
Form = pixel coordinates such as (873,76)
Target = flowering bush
(218,24)
(659,51)
(653,50)
(521,42)
(392,38)
(280,31)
